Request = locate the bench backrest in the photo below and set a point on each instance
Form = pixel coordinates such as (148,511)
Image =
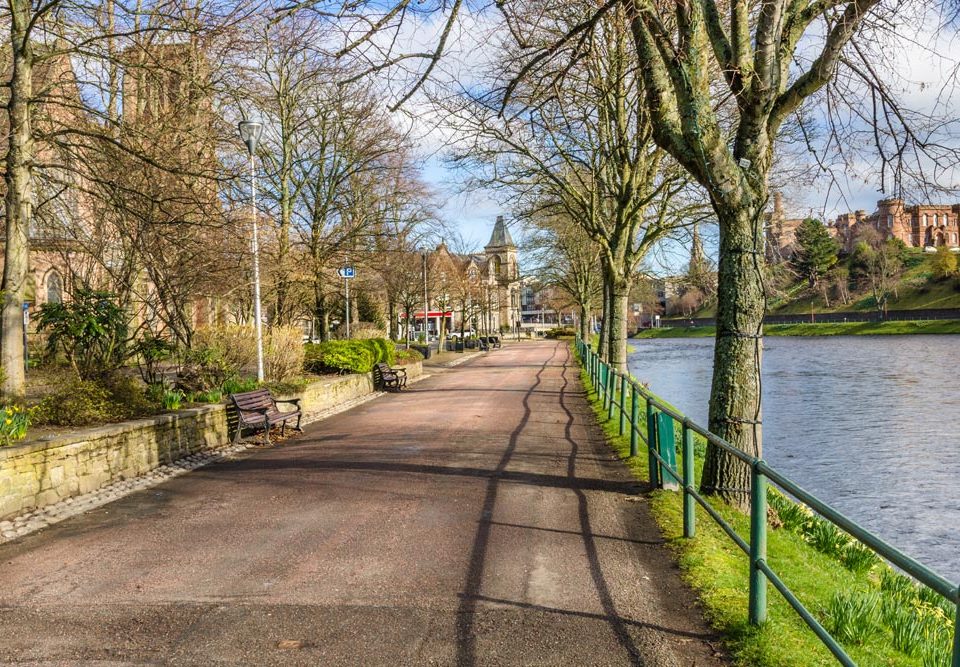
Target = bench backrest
(384,369)
(252,401)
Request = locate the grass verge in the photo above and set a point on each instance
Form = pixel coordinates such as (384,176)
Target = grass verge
(881,617)
(825,329)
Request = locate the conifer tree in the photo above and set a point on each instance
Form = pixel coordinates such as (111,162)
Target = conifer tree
(816,250)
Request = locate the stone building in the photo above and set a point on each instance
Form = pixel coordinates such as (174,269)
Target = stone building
(475,292)
(918,226)
(780,232)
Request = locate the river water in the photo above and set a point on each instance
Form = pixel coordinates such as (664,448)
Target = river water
(869,424)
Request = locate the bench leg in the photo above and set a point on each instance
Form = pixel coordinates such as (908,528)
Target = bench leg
(298,423)
(236,436)
(283,427)
(266,434)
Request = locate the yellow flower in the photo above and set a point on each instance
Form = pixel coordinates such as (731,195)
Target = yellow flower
(9,421)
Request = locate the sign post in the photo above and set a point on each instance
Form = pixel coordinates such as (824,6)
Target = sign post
(26,325)
(347,273)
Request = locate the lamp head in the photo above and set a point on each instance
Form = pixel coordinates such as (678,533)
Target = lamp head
(250,131)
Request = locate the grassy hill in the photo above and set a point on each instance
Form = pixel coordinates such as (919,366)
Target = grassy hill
(917,289)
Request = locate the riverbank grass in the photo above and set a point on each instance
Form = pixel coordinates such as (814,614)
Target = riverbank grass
(825,329)
(878,622)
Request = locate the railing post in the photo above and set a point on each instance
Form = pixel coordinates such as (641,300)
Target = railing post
(612,393)
(758,544)
(956,634)
(689,515)
(634,419)
(623,403)
(602,391)
(652,462)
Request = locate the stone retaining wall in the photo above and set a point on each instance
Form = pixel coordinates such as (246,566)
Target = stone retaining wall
(43,471)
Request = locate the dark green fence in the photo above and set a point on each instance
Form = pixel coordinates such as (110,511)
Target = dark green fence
(614,388)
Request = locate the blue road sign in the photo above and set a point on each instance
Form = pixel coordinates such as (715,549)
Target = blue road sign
(347,272)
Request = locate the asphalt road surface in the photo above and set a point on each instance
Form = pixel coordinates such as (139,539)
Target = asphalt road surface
(474,519)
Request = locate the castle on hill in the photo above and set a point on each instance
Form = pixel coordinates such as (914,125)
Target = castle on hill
(918,226)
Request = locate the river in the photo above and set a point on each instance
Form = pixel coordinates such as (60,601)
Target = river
(869,424)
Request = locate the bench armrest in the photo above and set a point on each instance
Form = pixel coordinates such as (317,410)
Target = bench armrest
(295,401)
(399,370)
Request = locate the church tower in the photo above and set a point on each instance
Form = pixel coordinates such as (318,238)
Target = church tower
(501,253)
(503,276)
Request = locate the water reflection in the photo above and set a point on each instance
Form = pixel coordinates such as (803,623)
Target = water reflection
(870,424)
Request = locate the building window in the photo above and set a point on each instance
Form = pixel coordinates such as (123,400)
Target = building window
(924,219)
(936,219)
(54,288)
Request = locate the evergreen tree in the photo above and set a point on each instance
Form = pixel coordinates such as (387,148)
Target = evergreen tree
(816,250)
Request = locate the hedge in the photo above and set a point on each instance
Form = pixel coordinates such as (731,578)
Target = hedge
(350,356)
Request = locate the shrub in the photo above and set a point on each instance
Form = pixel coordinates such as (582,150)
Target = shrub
(366,331)
(151,351)
(91,330)
(384,351)
(560,332)
(77,403)
(238,385)
(14,422)
(88,402)
(203,368)
(408,356)
(351,356)
(283,354)
(234,345)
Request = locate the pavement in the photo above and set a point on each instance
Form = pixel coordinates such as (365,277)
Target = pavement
(477,518)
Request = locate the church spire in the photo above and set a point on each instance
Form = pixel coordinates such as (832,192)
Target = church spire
(501,235)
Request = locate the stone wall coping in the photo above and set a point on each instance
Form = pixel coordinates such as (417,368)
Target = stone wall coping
(86,434)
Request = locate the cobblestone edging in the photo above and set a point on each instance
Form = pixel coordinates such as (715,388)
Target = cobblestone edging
(48,515)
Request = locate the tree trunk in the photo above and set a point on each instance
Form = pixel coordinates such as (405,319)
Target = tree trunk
(585,323)
(19,198)
(603,345)
(392,332)
(617,332)
(320,312)
(735,395)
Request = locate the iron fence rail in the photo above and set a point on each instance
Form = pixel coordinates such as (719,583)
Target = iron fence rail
(604,380)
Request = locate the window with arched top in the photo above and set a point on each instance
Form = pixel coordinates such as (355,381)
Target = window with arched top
(496,266)
(54,288)
(924,219)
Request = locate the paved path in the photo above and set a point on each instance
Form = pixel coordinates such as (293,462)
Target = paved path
(475,519)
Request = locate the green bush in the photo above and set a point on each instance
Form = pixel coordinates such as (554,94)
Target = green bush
(91,330)
(90,402)
(151,352)
(560,332)
(77,403)
(408,356)
(351,356)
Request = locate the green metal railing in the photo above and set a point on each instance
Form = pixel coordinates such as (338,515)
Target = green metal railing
(662,418)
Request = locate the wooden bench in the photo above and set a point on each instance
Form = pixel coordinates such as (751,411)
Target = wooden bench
(389,378)
(494,341)
(258,409)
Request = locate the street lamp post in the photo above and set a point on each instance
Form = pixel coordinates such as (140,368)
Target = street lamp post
(426,309)
(250,132)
